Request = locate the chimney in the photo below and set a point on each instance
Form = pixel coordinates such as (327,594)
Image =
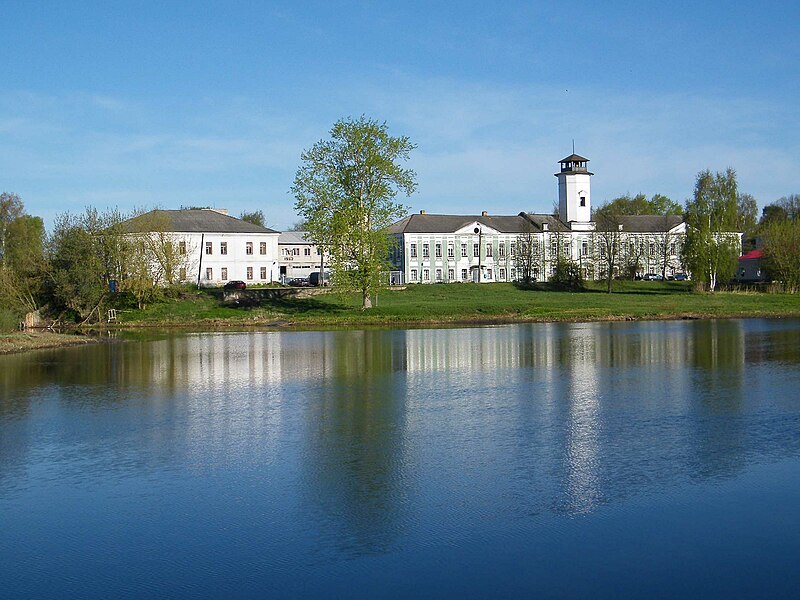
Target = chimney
(422,212)
(222,211)
(545,226)
(620,226)
(484,214)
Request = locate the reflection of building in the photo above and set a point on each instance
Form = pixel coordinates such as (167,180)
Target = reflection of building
(212,246)
(484,248)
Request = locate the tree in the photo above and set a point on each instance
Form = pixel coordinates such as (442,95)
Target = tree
(640,205)
(525,254)
(711,246)
(24,262)
(345,189)
(567,275)
(786,208)
(256,218)
(782,252)
(608,241)
(11,207)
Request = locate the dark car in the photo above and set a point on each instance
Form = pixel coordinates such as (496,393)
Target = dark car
(298,282)
(314,278)
(681,277)
(235,284)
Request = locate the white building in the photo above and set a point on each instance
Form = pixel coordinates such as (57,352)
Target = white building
(216,247)
(299,256)
(482,248)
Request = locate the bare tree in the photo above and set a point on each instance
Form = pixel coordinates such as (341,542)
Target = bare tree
(608,239)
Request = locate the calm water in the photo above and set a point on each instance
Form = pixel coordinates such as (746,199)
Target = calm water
(606,460)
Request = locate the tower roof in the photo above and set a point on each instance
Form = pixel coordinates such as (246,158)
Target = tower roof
(574,158)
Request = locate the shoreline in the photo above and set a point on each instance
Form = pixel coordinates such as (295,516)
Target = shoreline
(26,341)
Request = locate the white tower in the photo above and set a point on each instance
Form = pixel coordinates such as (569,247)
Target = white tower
(574,193)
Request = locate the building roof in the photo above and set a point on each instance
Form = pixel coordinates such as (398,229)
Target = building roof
(425,223)
(191,220)
(752,254)
(649,223)
(574,158)
(294,237)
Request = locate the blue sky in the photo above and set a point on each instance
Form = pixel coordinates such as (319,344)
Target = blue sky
(166,104)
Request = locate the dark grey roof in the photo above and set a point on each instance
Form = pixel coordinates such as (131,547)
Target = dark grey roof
(553,222)
(449,223)
(574,158)
(192,220)
(649,223)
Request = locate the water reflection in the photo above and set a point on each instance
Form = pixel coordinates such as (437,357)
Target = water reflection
(357,425)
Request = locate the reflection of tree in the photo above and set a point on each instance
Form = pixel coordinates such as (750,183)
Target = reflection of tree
(356,421)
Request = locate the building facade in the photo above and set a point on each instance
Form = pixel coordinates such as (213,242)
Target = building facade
(484,248)
(211,246)
(298,255)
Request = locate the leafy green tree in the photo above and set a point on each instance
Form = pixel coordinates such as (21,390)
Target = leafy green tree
(640,205)
(567,275)
(255,217)
(712,218)
(782,252)
(24,261)
(11,207)
(345,189)
(786,208)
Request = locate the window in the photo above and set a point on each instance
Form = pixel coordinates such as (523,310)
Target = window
(603,250)
(223,247)
(182,247)
(464,274)
(451,274)
(438,274)
(262,248)
(585,248)
(183,274)
(502,274)
(476,250)
(249,272)
(263,272)
(583,200)
(513,249)
(632,248)
(209,274)
(224,273)
(426,250)
(306,251)
(652,249)
(553,248)
(426,275)
(535,273)
(319,252)
(438,251)
(464,250)
(295,251)
(413,251)
(534,247)
(450,251)
(672,249)
(501,250)
(208,249)
(413,274)
(513,274)
(489,249)
(488,273)
(248,248)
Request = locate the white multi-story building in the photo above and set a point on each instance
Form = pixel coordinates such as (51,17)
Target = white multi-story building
(483,248)
(214,247)
(299,256)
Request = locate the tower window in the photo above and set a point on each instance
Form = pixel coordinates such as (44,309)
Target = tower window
(583,200)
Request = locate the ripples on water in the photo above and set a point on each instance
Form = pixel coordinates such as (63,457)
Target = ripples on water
(572,459)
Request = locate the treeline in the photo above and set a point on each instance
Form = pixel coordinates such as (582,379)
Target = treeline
(67,275)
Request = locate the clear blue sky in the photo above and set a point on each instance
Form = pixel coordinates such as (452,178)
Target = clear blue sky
(167,104)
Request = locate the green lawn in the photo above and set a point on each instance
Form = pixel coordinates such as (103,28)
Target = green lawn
(449,303)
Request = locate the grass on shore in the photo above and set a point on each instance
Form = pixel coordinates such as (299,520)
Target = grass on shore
(463,303)
(27,340)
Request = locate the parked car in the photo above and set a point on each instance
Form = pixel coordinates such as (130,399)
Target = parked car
(681,277)
(314,278)
(235,284)
(298,282)
(652,277)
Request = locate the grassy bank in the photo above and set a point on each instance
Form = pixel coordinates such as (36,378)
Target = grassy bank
(469,303)
(22,341)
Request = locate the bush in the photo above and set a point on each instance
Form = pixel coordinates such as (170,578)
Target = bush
(9,320)
(568,275)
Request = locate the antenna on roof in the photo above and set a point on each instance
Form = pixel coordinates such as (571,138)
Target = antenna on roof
(573,145)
